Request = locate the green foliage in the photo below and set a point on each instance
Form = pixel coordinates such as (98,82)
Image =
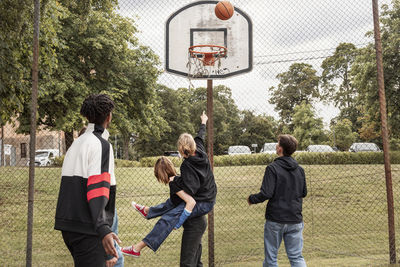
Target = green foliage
(58,161)
(226,115)
(299,84)
(257,129)
(151,161)
(364,71)
(175,112)
(308,129)
(337,83)
(181,112)
(16,31)
(121,163)
(344,136)
(306,158)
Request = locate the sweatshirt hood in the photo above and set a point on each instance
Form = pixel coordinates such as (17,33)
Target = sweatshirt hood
(287,163)
(198,159)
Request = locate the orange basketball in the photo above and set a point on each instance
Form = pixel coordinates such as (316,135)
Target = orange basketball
(224,10)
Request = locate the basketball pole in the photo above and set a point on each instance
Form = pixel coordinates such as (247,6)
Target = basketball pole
(384,128)
(210,147)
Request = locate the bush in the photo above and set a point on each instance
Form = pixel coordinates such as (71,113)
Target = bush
(306,158)
(151,161)
(121,163)
(241,160)
(309,158)
(58,161)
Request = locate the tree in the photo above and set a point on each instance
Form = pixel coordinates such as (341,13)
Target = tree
(226,115)
(16,38)
(257,129)
(337,85)
(364,71)
(96,51)
(299,84)
(308,129)
(176,114)
(343,134)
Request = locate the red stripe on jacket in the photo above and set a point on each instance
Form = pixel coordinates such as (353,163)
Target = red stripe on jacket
(94,179)
(98,192)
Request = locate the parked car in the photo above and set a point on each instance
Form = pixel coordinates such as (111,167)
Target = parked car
(239,150)
(45,157)
(364,147)
(269,148)
(319,148)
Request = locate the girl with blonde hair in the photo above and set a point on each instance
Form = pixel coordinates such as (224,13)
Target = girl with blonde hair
(192,194)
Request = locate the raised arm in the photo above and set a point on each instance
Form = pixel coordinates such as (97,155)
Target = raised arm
(200,138)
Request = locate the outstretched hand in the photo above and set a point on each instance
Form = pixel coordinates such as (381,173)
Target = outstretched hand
(204,118)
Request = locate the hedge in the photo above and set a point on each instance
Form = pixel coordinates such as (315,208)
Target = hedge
(305,158)
(151,161)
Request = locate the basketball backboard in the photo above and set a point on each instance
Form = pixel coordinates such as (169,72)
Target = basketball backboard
(197,24)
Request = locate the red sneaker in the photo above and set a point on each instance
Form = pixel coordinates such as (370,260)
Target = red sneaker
(130,251)
(139,208)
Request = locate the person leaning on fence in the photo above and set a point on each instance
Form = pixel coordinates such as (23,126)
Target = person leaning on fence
(284,186)
(86,201)
(196,182)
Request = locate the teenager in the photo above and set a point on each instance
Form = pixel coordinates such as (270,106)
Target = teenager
(284,186)
(86,201)
(196,181)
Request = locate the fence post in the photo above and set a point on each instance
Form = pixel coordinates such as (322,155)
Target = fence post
(210,148)
(2,146)
(32,141)
(382,105)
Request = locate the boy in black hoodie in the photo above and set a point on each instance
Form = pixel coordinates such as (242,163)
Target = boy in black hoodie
(284,185)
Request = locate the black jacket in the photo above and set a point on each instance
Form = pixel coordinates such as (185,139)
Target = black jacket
(197,178)
(284,184)
(86,201)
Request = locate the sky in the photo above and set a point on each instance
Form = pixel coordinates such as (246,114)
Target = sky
(284,32)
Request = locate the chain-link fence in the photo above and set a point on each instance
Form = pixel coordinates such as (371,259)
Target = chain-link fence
(314,76)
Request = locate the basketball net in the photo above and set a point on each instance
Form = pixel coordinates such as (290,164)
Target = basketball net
(203,59)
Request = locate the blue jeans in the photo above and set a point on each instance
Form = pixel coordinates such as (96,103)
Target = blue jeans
(169,217)
(292,235)
(114,228)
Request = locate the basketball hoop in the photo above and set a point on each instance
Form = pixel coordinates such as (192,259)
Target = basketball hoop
(202,58)
(211,54)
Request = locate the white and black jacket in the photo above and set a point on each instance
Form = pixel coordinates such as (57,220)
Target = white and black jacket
(86,200)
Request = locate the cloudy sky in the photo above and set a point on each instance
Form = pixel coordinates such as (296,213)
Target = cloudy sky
(284,32)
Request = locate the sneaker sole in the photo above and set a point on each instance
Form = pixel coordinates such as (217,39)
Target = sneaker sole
(127,254)
(133,206)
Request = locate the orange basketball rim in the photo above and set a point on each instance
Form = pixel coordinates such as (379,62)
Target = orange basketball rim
(208,58)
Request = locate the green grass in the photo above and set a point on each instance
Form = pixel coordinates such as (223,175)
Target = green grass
(344,214)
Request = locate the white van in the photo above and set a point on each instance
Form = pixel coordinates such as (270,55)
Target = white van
(269,148)
(45,157)
(239,150)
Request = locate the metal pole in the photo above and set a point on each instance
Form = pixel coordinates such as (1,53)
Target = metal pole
(210,147)
(382,105)
(32,142)
(2,156)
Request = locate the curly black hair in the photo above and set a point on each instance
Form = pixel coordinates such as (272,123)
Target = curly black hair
(96,108)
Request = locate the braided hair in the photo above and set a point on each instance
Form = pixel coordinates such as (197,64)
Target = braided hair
(96,108)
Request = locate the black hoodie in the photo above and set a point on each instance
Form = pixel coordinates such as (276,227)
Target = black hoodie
(197,178)
(284,184)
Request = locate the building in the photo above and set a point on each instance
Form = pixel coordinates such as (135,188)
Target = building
(16,146)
